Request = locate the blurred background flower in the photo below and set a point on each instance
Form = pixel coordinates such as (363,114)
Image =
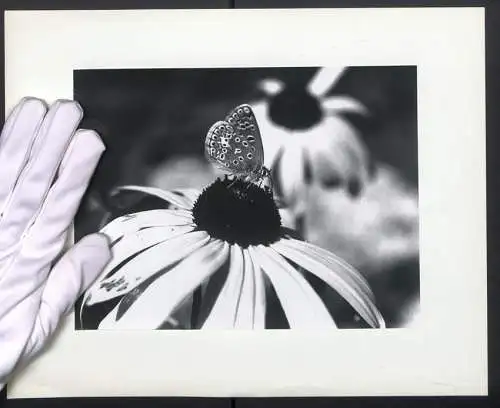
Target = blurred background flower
(346,162)
(306,138)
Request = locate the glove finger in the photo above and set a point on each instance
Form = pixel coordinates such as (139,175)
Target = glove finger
(71,276)
(63,199)
(52,140)
(27,273)
(18,135)
(17,322)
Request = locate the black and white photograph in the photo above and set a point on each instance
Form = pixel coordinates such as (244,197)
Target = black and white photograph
(297,210)
(253,198)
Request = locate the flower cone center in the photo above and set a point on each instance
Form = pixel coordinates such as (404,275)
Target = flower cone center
(295,109)
(238,212)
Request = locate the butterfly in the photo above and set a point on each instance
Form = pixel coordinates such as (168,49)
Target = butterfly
(234,145)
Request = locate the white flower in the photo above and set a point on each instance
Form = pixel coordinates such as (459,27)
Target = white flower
(224,248)
(324,147)
(375,232)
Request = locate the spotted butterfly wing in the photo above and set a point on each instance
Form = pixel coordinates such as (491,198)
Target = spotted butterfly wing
(217,144)
(235,144)
(248,135)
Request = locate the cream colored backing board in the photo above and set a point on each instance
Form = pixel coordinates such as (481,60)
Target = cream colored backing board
(445,354)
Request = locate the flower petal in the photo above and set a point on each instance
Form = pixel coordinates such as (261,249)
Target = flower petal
(342,104)
(273,136)
(177,199)
(288,219)
(155,218)
(225,309)
(123,249)
(276,175)
(145,265)
(324,80)
(338,276)
(138,241)
(160,299)
(337,153)
(302,306)
(347,270)
(190,194)
(245,313)
(241,303)
(259,302)
(292,177)
(271,86)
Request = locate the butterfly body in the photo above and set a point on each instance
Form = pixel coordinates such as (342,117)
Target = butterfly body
(234,145)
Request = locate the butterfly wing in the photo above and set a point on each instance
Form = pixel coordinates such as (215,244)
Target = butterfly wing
(224,152)
(217,144)
(247,141)
(235,145)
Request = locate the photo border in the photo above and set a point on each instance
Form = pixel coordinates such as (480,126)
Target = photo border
(493,146)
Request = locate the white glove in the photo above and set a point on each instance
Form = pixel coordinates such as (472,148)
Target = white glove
(45,168)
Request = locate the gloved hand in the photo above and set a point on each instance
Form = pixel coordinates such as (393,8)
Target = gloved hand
(45,168)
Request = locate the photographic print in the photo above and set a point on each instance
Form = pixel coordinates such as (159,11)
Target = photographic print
(253,198)
(298,210)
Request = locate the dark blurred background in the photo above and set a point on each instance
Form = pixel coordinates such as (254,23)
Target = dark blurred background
(154,123)
(150,116)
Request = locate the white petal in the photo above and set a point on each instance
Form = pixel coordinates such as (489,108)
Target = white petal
(271,86)
(273,136)
(288,220)
(123,249)
(246,307)
(302,306)
(138,241)
(348,270)
(154,218)
(177,200)
(292,177)
(324,80)
(109,321)
(224,311)
(190,194)
(164,295)
(345,280)
(339,104)
(145,265)
(259,314)
(239,302)
(336,151)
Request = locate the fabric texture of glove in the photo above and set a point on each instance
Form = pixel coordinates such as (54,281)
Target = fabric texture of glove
(46,164)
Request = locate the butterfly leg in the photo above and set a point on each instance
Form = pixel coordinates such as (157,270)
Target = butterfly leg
(265,179)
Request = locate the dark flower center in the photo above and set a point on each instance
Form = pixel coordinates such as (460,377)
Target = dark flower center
(238,212)
(295,109)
